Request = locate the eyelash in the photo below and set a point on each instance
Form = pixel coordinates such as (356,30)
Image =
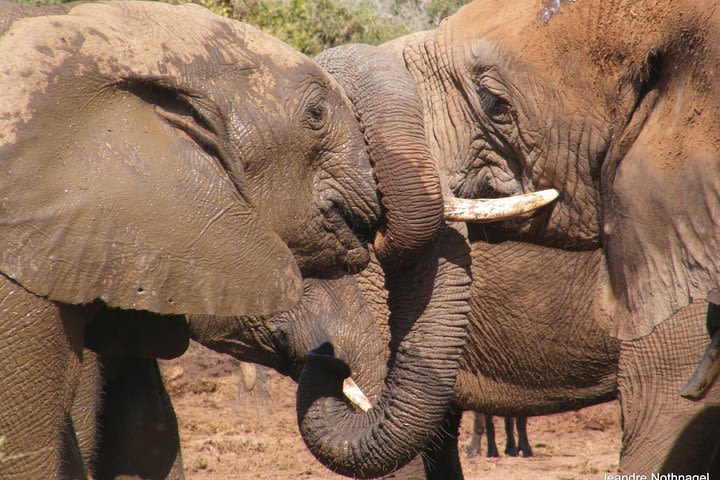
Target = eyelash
(315,115)
(493,105)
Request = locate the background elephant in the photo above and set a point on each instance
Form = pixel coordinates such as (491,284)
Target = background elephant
(161,161)
(484,425)
(613,105)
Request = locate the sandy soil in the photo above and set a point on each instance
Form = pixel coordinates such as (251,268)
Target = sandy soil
(229,433)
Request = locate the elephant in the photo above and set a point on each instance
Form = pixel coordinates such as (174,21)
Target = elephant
(182,165)
(613,105)
(484,425)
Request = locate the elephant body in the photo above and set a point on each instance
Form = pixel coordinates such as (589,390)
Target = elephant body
(533,346)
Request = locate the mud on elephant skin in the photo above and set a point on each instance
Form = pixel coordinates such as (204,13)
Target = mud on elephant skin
(153,168)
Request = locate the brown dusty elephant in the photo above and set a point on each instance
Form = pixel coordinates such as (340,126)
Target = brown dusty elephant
(160,161)
(614,105)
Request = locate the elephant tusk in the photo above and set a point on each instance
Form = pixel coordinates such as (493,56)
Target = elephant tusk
(705,373)
(355,395)
(492,209)
(248,372)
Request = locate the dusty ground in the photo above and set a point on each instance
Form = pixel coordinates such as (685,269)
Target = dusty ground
(227,433)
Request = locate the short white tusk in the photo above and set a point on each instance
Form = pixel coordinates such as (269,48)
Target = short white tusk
(492,209)
(355,395)
(248,372)
(705,373)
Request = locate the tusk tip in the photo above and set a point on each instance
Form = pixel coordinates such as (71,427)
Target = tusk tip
(692,392)
(353,393)
(548,195)
(706,372)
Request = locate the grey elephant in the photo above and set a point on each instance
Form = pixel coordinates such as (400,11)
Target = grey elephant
(613,105)
(160,161)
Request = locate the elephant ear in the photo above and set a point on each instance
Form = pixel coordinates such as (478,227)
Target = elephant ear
(662,210)
(101,196)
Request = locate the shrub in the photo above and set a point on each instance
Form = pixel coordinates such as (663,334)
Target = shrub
(311,26)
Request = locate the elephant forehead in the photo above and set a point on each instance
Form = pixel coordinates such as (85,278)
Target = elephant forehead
(118,41)
(515,40)
(590,45)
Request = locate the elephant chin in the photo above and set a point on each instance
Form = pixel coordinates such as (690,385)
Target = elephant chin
(429,306)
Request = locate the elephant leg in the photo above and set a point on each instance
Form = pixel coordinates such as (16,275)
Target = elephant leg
(523,441)
(442,459)
(40,361)
(86,405)
(473,449)
(490,434)
(663,432)
(511,448)
(138,424)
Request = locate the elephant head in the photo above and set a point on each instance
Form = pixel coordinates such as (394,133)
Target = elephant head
(610,104)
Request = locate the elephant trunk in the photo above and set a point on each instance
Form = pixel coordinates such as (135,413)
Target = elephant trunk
(385,102)
(429,305)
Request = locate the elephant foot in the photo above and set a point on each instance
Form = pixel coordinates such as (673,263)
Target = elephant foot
(512,452)
(526,450)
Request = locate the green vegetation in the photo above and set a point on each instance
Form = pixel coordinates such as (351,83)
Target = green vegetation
(419,15)
(312,26)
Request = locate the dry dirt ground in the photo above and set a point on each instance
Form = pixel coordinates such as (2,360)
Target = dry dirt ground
(228,433)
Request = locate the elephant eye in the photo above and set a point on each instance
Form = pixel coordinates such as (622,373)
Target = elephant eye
(493,104)
(316,115)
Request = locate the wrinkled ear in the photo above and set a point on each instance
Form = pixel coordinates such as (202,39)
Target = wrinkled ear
(113,189)
(662,206)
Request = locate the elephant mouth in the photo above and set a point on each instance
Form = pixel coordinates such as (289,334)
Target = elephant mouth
(353,237)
